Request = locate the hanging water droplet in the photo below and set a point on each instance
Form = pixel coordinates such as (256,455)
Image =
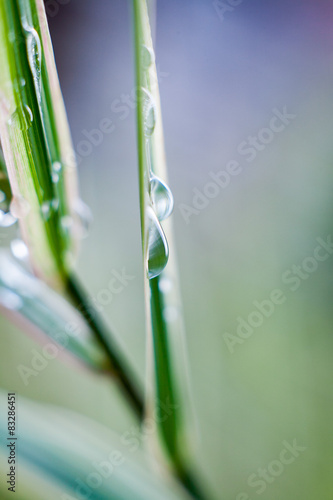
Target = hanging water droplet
(22,82)
(46,209)
(10,300)
(85,218)
(19,207)
(158,250)
(6,219)
(161,197)
(55,204)
(19,249)
(149,112)
(28,114)
(56,166)
(147,56)
(66,221)
(165,285)
(170,314)
(34,51)
(22,117)
(55,178)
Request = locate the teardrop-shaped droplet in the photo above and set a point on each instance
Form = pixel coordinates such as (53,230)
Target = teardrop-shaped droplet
(147,56)
(158,250)
(22,117)
(19,207)
(55,204)
(149,112)
(66,222)
(56,167)
(10,300)
(84,218)
(6,219)
(161,197)
(34,51)
(19,249)
(46,209)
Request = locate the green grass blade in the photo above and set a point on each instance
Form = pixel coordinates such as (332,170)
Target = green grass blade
(165,327)
(35,139)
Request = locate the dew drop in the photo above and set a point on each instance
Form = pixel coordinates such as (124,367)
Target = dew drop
(147,56)
(10,300)
(28,113)
(22,82)
(56,166)
(161,197)
(170,314)
(158,250)
(19,207)
(66,221)
(6,219)
(55,178)
(46,209)
(55,204)
(149,112)
(21,117)
(165,285)
(2,197)
(19,249)
(85,218)
(35,57)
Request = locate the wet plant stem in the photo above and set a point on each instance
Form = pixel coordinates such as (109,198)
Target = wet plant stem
(119,366)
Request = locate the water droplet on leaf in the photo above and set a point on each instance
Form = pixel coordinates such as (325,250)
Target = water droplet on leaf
(19,207)
(158,250)
(6,219)
(85,218)
(19,249)
(66,221)
(161,197)
(10,300)
(34,51)
(147,56)
(56,166)
(55,178)
(149,112)
(46,209)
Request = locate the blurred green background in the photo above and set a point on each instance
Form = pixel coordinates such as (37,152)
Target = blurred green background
(222,72)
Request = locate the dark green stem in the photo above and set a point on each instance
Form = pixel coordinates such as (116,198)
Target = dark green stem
(119,365)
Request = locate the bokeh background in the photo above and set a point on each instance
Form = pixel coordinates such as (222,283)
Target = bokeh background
(221,75)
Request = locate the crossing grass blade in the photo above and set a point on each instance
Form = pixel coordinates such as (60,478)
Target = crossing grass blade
(43,313)
(77,457)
